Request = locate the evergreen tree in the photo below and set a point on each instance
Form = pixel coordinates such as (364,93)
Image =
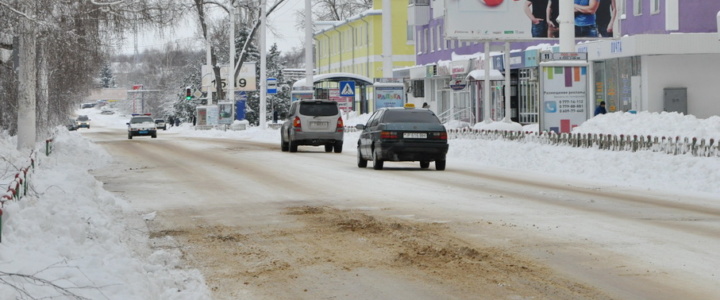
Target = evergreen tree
(279,102)
(106,77)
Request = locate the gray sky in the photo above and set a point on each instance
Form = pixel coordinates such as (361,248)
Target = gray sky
(282,20)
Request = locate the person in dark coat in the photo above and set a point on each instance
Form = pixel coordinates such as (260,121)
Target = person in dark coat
(600,110)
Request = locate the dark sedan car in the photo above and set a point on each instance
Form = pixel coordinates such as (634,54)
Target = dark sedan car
(402,134)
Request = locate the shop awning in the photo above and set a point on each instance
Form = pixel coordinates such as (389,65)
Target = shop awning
(480,75)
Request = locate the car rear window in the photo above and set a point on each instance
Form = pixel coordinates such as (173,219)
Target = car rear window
(320,109)
(409,116)
(139,120)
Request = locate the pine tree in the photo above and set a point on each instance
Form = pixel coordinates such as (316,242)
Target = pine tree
(106,77)
(279,102)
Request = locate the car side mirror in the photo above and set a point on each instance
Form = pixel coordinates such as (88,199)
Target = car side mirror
(128,124)
(360,126)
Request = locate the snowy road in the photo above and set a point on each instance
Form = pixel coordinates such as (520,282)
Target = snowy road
(264,224)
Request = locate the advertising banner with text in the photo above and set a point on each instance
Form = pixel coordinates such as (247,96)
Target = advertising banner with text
(522,20)
(564,98)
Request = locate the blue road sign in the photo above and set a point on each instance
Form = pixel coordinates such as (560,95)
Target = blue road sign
(347,88)
(272,85)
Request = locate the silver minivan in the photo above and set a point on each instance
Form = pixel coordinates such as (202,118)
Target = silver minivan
(313,123)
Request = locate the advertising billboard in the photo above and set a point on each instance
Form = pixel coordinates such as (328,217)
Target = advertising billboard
(389,96)
(345,103)
(564,98)
(522,20)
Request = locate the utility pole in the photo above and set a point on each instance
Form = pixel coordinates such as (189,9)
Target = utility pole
(387,50)
(26,131)
(309,65)
(263,66)
(231,68)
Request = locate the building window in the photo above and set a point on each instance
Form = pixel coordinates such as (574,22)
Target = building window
(637,7)
(655,7)
(433,46)
(409,33)
(440,38)
(426,44)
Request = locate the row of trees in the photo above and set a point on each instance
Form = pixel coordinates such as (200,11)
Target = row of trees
(62,46)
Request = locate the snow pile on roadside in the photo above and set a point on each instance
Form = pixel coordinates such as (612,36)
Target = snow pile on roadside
(69,235)
(664,124)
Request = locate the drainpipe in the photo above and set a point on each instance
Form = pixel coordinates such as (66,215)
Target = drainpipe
(328,52)
(367,47)
(352,51)
(340,48)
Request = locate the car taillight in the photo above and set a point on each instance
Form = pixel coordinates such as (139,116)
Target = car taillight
(439,136)
(388,135)
(296,124)
(340,125)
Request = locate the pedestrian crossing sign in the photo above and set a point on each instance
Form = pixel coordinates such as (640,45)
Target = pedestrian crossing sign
(347,88)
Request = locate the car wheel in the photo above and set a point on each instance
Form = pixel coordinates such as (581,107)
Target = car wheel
(328,147)
(293,146)
(377,162)
(338,146)
(424,164)
(154,136)
(439,165)
(361,162)
(129,136)
(283,145)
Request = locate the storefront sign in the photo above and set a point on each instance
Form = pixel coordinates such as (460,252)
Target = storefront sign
(458,84)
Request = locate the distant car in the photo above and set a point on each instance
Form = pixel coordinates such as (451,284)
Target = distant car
(314,123)
(83,121)
(141,125)
(107,112)
(87,105)
(402,134)
(71,124)
(160,123)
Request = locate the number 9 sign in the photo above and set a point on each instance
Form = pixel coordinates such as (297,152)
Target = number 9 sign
(246,79)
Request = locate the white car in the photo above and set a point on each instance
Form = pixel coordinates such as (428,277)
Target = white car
(141,125)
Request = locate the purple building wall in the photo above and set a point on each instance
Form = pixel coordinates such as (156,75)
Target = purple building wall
(694,16)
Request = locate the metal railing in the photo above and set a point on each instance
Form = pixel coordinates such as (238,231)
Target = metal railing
(460,114)
(669,145)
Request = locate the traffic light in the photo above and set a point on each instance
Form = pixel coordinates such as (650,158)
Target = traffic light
(188,94)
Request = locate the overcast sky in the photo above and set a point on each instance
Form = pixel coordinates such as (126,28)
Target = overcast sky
(283,21)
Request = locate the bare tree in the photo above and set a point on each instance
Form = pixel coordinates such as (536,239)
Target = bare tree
(336,10)
(79,34)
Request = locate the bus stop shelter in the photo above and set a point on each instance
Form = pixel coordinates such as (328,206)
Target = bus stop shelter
(327,86)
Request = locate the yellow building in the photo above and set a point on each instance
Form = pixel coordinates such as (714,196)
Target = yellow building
(355,45)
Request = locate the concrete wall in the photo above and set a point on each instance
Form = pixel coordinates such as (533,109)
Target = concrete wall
(699,73)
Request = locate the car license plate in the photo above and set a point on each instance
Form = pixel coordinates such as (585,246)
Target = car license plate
(415,135)
(318,124)
(143,132)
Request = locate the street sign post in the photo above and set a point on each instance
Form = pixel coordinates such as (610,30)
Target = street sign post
(347,88)
(272,85)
